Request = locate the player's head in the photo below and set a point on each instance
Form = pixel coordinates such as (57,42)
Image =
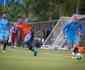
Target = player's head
(21,18)
(4,16)
(75,17)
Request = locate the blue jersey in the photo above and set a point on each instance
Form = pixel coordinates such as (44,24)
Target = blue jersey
(71,31)
(4,29)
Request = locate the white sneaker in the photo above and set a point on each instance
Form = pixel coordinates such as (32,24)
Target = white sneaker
(14,46)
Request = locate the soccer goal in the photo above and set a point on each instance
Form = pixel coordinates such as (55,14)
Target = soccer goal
(56,39)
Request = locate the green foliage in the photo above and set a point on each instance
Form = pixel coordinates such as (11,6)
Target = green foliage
(43,8)
(14,11)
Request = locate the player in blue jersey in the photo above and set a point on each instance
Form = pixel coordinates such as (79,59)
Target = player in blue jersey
(4,31)
(72,32)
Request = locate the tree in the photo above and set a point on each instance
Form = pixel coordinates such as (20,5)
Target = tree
(82,7)
(27,4)
(45,8)
(14,9)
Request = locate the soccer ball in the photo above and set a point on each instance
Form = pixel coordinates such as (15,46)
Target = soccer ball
(78,56)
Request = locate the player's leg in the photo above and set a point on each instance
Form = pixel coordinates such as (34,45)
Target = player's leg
(35,51)
(1,45)
(4,46)
(29,46)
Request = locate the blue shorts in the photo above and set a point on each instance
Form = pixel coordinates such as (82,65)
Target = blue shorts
(73,40)
(4,36)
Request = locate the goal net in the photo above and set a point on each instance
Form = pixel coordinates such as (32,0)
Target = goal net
(56,39)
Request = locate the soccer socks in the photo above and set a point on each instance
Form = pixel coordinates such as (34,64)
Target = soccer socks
(35,51)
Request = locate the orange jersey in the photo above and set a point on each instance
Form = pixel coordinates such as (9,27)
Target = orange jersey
(24,28)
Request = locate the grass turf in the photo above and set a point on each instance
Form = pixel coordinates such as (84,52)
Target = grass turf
(22,59)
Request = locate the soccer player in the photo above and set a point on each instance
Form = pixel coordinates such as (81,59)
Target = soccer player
(13,36)
(72,31)
(4,32)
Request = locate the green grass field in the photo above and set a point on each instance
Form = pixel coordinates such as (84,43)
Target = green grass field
(22,59)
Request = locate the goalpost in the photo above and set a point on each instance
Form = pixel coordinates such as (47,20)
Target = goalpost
(56,39)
